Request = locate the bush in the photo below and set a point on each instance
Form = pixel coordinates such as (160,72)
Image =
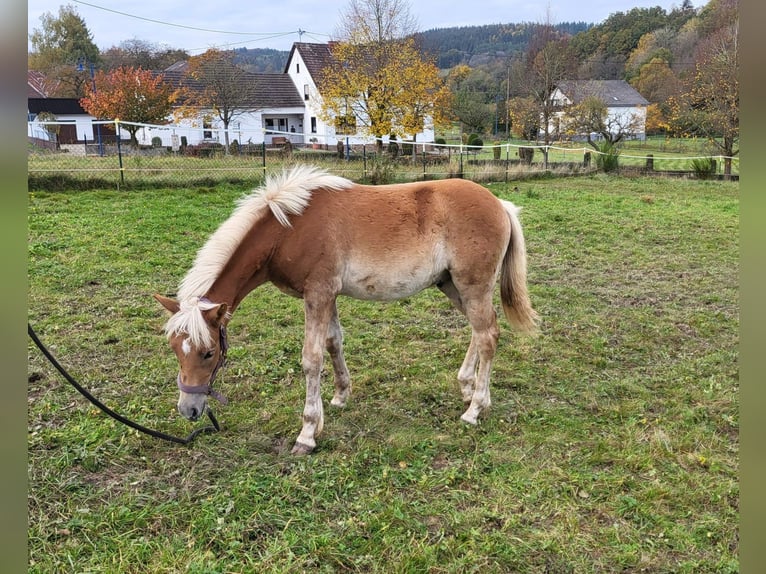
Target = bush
(381,170)
(156,142)
(234,147)
(608,158)
(526,154)
(440,141)
(704,167)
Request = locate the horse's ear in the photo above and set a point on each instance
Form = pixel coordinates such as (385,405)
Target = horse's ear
(217,314)
(169,304)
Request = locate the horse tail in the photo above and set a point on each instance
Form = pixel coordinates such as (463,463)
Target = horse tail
(513,277)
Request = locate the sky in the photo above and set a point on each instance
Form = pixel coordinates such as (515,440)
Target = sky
(198,26)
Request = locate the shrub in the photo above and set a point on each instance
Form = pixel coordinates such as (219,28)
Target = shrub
(156,141)
(234,147)
(526,154)
(381,170)
(608,158)
(703,167)
(440,141)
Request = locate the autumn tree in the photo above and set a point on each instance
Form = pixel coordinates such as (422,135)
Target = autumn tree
(709,105)
(58,46)
(220,87)
(131,95)
(656,81)
(524,114)
(378,81)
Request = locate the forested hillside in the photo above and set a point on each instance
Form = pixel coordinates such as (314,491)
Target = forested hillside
(477,45)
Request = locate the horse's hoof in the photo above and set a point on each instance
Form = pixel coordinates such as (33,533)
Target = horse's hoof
(466,418)
(301,449)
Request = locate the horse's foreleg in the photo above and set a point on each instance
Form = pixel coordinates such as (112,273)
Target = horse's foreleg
(485,336)
(318,317)
(340,370)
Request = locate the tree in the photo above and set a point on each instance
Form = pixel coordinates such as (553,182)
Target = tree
(131,95)
(525,117)
(591,116)
(473,97)
(378,80)
(220,87)
(141,54)
(656,81)
(59,45)
(709,106)
(543,66)
(375,22)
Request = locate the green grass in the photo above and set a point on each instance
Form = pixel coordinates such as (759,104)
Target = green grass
(611,445)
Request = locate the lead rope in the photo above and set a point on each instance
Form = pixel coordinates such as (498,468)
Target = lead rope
(126,421)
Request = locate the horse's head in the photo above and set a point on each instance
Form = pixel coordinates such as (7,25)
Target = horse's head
(197,334)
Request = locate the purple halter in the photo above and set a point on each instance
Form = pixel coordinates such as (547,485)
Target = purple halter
(208,388)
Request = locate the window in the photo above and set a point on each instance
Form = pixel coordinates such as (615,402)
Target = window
(297,68)
(313,125)
(306,92)
(207,132)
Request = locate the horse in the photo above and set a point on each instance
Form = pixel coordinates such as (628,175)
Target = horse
(316,236)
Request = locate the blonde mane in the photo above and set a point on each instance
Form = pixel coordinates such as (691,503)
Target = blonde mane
(283,195)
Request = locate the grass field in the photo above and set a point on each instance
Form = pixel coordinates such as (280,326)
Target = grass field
(611,444)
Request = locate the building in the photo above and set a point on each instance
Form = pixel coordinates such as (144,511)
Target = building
(626,108)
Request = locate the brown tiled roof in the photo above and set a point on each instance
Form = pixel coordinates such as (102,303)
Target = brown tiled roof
(266,90)
(316,56)
(614,93)
(38,85)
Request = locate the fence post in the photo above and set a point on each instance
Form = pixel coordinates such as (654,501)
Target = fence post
(507,161)
(119,151)
(263,157)
(650,162)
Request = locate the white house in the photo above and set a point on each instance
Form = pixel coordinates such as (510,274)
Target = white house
(625,106)
(305,65)
(282,107)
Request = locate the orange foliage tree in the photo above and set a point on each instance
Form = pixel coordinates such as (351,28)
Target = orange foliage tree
(131,95)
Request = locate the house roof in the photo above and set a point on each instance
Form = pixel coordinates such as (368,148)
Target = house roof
(38,84)
(614,93)
(266,90)
(56,106)
(316,57)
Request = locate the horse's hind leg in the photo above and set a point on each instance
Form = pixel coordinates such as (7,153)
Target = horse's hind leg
(466,376)
(481,314)
(340,370)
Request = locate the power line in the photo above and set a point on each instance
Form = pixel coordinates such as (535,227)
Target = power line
(164,23)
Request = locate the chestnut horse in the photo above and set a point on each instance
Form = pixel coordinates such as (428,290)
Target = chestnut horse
(316,236)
